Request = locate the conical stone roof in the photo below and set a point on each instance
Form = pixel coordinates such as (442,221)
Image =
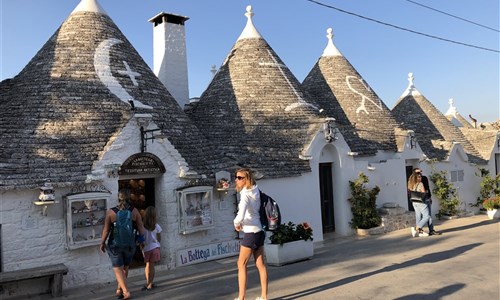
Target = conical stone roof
(256,110)
(58,114)
(361,116)
(434,132)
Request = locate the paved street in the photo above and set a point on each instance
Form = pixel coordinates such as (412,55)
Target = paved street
(463,263)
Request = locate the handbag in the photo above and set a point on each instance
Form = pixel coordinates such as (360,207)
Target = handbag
(417,196)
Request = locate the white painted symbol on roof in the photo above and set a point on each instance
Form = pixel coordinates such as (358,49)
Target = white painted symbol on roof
(362,106)
(130,73)
(103,69)
(280,67)
(273,65)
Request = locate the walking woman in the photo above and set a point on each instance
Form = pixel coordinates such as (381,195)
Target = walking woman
(121,252)
(421,210)
(248,221)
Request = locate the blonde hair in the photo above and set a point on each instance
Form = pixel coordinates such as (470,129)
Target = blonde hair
(413,181)
(249,175)
(150,218)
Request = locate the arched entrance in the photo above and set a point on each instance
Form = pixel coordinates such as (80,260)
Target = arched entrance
(326,195)
(137,180)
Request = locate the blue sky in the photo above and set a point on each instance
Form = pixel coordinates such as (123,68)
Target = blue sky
(296,30)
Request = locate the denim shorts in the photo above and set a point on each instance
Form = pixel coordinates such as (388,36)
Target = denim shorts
(120,256)
(253,240)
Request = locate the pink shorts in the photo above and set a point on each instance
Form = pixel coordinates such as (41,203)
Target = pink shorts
(152,255)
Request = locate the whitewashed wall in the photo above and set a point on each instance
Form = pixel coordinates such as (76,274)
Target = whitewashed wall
(30,239)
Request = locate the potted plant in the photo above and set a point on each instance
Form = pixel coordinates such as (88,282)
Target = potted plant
(363,205)
(492,206)
(490,186)
(290,243)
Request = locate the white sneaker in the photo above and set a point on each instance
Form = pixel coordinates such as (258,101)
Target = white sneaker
(414,232)
(423,233)
(259,298)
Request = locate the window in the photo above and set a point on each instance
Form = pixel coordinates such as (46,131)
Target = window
(195,204)
(457,175)
(85,214)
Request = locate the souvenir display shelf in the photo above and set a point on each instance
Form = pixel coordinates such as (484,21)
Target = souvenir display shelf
(196,209)
(85,214)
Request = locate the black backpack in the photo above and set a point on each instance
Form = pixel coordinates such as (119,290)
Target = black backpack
(270,215)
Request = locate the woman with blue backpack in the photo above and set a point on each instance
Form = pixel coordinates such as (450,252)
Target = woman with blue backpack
(119,233)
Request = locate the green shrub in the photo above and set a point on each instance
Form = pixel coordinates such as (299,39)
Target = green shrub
(363,204)
(492,203)
(290,232)
(446,193)
(490,186)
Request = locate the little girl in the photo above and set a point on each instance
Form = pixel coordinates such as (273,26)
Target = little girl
(151,250)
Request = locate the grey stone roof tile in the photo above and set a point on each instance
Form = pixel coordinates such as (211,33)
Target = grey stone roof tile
(434,132)
(256,111)
(361,116)
(482,140)
(56,115)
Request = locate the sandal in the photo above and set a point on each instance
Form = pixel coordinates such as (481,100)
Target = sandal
(119,293)
(127,296)
(145,287)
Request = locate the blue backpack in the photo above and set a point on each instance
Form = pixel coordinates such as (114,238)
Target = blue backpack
(270,215)
(123,228)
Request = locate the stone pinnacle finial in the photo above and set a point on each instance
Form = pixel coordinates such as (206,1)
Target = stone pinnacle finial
(330,49)
(410,78)
(213,70)
(249,31)
(329,34)
(249,12)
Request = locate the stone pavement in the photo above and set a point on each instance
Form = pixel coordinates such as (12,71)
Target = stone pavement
(463,263)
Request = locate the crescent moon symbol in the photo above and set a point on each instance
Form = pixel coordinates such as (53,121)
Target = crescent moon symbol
(103,69)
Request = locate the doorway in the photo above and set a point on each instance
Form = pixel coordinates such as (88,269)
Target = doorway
(141,193)
(409,170)
(326,195)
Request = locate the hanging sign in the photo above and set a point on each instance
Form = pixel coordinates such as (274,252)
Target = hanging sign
(142,163)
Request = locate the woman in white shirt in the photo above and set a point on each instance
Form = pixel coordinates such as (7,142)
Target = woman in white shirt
(248,221)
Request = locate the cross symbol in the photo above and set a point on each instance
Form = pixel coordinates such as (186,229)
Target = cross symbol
(130,73)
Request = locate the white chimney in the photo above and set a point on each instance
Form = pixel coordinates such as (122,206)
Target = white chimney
(169,54)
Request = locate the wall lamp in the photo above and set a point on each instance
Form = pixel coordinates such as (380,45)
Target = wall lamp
(47,196)
(149,135)
(331,132)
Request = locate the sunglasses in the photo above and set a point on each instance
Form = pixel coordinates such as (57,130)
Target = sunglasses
(240,177)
